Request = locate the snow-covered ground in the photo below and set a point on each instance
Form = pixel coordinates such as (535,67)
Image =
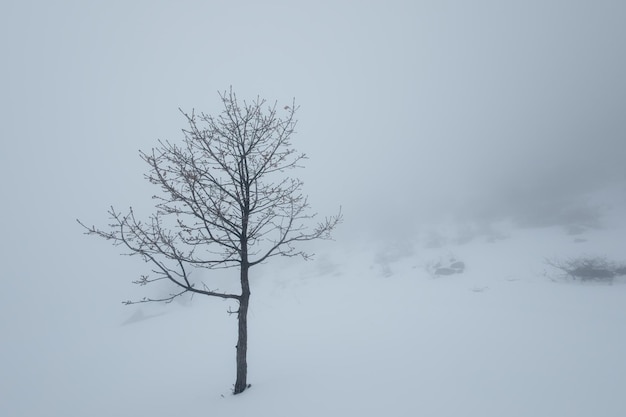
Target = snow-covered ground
(365,330)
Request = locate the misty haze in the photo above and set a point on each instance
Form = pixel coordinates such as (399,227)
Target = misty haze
(476,150)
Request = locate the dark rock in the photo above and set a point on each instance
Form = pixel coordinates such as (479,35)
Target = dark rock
(458,265)
(620,270)
(445,271)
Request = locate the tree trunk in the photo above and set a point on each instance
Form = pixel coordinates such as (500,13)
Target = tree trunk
(242,341)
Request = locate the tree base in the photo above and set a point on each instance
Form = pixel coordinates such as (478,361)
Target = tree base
(239,392)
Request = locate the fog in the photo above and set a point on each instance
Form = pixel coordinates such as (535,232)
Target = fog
(412,113)
(410,108)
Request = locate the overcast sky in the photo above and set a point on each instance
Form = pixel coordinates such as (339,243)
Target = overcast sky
(408,106)
(409,110)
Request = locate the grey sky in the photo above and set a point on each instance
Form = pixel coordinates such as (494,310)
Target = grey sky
(404,104)
(408,110)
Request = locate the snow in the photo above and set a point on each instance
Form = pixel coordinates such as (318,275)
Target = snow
(364,330)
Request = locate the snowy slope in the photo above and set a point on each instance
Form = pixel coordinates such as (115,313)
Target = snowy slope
(365,331)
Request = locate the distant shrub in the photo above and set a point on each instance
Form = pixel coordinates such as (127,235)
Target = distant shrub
(588,268)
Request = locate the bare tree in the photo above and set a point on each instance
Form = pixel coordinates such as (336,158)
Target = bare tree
(226,201)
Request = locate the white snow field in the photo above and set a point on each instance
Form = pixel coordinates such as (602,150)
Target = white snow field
(364,331)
